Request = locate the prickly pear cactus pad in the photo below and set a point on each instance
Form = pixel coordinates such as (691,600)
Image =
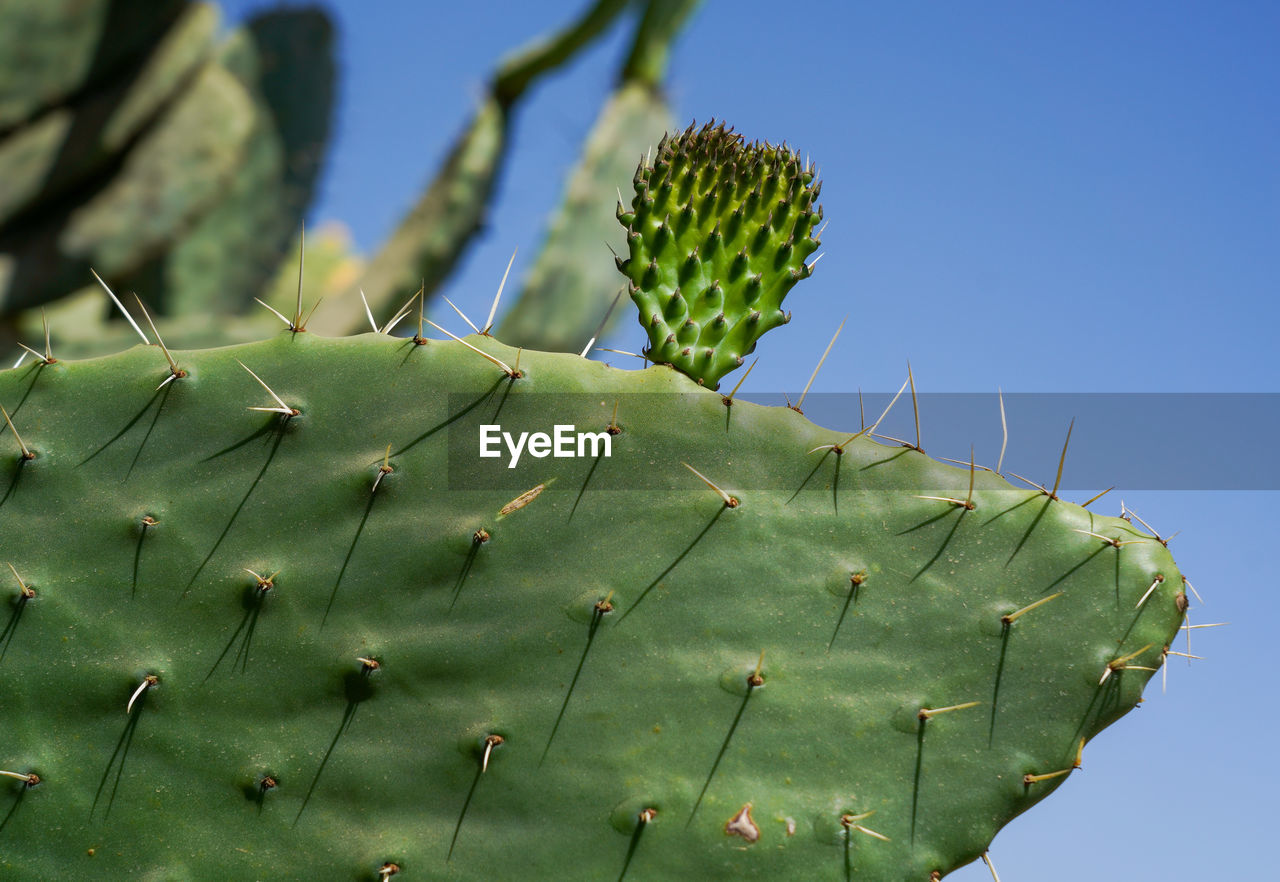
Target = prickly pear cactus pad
(259,623)
(718,233)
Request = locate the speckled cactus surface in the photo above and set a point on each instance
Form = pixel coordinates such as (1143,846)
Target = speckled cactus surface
(291,624)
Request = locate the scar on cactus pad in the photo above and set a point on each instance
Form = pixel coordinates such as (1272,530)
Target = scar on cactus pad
(733,648)
(718,233)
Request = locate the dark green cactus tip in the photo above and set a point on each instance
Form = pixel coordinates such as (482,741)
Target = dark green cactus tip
(718,231)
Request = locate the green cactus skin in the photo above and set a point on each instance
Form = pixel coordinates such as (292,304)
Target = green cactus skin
(49,49)
(718,233)
(605,628)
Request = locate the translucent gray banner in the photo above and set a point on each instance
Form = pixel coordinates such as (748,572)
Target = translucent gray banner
(1138,441)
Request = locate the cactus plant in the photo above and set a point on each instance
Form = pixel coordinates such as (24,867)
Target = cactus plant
(807,664)
(295,624)
(331,606)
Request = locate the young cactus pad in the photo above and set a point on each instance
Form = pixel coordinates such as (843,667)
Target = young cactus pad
(290,623)
(718,233)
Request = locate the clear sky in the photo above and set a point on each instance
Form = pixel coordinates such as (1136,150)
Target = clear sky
(1069,197)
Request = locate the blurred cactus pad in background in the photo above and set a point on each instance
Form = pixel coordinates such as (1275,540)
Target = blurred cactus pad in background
(172,161)
(273,608)
(178,163)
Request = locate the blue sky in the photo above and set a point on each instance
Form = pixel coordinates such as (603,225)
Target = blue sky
(1075,197)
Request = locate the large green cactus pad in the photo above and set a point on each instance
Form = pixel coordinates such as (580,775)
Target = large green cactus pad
(169,179)
(718,233)
(284,60)
(51,48)
(71,143)
(607,628)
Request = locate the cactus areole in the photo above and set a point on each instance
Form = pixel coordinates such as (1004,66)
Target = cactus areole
(276,617)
